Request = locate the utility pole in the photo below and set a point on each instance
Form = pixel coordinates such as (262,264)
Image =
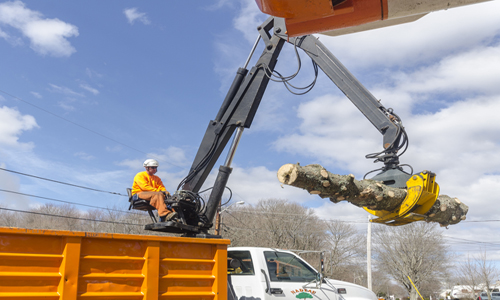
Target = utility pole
(369,255)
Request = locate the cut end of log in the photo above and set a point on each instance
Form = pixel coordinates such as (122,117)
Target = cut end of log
(287,174)
(324,173)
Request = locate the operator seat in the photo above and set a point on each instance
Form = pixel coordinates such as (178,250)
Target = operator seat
(140,204)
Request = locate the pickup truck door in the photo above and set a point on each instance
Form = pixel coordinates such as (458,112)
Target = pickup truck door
(245,280)
(292,278)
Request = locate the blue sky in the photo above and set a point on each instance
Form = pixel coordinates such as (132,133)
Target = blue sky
(90,89)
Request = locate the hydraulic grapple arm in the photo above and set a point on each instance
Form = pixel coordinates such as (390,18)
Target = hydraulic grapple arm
(242,101)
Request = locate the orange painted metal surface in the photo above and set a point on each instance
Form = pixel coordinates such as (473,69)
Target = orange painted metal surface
(314,16)
(49,264)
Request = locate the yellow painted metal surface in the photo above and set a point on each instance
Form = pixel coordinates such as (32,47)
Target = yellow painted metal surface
(422,192)
(49,264)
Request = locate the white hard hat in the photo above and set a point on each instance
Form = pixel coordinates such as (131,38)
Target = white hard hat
(150,163)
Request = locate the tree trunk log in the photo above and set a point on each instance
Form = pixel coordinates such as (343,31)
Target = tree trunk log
(367,193)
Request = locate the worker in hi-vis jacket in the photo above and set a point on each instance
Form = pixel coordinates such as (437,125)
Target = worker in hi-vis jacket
(149,187)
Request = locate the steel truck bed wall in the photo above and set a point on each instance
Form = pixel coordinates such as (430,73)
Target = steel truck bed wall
(49,264)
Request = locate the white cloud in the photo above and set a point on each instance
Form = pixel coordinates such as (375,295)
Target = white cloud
(64,90)
(84,156)
(12,124)
(66,106)
(3,34)
(254,184)
(171,157)
(333,132)
(219,4)
(464,72)
(167,158)
(91,73)
(47,36)
(248,19)
(37,95)
(116,148)
(113,180)
(131,163)
(461,139)
(89,88)
(133,15)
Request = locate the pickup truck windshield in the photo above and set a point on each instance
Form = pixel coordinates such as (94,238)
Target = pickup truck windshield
(287,267)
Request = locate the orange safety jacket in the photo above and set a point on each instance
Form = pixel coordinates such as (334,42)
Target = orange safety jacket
(146,183)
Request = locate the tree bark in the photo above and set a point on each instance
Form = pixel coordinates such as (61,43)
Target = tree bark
(367,193)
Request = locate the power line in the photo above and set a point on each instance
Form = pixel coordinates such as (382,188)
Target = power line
(81,126)
(289,214)
(481,221)
(334,220)
(70,184)
(67,217)
(68,202)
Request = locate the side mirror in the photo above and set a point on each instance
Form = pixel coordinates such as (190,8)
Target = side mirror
(319,277)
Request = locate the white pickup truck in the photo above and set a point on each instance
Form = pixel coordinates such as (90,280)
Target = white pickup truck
(266,274)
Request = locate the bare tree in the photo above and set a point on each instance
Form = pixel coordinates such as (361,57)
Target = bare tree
(381,284)
(9,219)
(468,274)
(275,223)
(415,250)
(430,288)
(487,271)
(50,216)
(477,273)
(344,245)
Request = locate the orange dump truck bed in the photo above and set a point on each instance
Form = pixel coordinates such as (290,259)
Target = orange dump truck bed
(49,264)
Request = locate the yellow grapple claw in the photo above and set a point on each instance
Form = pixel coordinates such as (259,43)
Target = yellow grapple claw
(422,192)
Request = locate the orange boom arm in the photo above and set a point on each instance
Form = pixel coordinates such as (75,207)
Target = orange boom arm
(337,17)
